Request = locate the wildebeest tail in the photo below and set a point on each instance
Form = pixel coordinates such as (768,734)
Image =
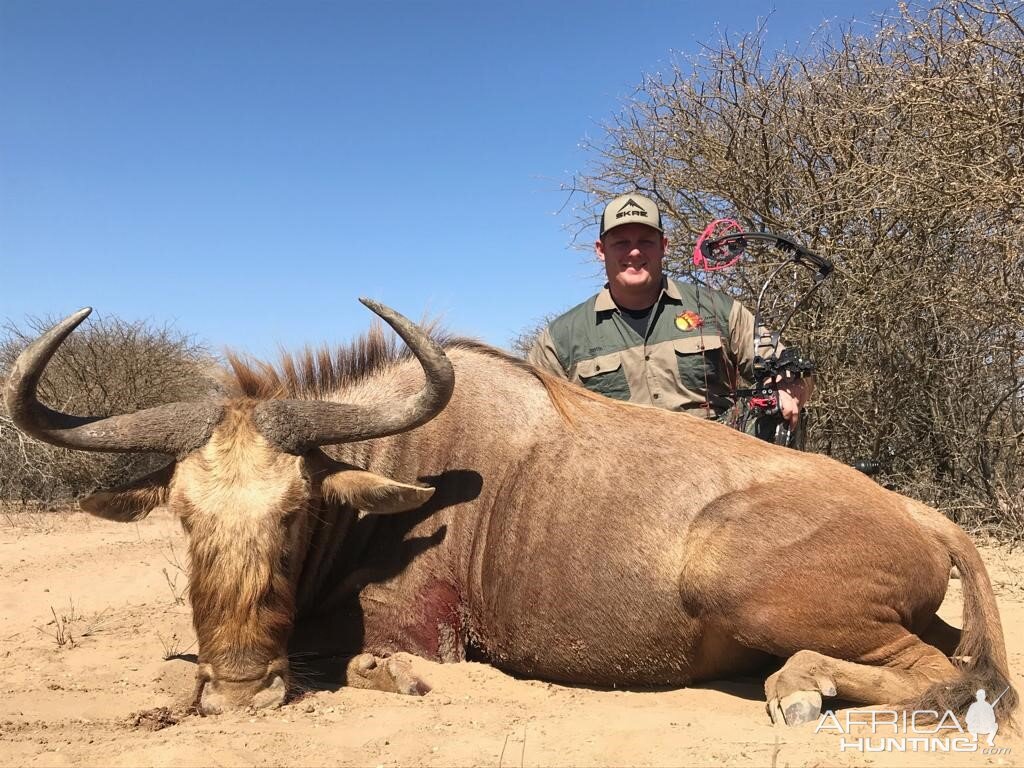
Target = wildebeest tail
(981,654)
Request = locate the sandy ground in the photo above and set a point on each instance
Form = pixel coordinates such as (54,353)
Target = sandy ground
(89,610)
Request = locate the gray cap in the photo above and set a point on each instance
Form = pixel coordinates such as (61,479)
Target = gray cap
(630,209)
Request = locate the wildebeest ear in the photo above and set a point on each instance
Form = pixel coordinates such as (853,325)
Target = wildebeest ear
(372,493)
(132,501)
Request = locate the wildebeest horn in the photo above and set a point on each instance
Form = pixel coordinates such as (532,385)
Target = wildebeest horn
(176,428)
(295,426)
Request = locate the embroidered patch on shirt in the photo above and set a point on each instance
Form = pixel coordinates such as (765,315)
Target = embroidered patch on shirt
(688,320)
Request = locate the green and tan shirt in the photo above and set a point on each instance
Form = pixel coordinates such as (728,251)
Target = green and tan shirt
(698,348)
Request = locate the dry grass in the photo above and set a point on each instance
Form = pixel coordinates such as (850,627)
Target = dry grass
(172,646)
(35,517)
(69,626)
(177,577)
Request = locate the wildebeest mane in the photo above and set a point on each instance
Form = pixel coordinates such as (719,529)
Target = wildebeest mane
(315,373)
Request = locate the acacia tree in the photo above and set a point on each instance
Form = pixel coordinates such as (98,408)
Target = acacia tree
(901,156)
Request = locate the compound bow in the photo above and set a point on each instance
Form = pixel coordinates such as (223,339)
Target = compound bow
(719,247)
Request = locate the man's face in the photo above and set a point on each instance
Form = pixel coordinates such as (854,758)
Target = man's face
(632,256)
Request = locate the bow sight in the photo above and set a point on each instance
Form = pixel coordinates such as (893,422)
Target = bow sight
(758,410)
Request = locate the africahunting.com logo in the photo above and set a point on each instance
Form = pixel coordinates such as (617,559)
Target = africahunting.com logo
(887,730)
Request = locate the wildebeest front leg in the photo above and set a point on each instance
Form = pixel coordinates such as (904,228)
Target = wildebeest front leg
(391,674)
(794,692)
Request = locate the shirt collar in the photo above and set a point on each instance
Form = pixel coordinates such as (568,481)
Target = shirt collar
(605,302)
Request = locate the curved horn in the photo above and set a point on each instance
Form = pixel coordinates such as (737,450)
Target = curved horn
(176,428)
(296,426)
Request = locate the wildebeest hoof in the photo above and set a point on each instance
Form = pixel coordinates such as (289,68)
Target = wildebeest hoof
(801,707)
(796,709)
(364,662)
(393,674)
(794,692)
(406,681)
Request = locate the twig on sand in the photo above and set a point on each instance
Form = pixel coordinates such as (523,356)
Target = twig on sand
(522,753)
(502,755)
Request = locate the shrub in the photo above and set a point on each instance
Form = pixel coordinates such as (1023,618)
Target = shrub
(107,366)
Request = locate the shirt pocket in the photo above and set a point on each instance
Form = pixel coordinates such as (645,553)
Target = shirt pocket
(604,375)
(699,363)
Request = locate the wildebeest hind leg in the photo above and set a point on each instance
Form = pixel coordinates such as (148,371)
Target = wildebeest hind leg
(794,692)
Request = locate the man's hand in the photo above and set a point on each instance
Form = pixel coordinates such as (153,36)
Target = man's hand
(793,393)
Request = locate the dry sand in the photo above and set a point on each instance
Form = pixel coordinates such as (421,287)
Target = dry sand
(89,610)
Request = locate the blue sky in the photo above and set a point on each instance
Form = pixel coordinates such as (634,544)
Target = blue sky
(245,169)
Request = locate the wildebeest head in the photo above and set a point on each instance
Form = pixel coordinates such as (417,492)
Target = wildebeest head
(246,473)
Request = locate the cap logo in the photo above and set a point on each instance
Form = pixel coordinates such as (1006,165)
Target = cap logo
(635,209)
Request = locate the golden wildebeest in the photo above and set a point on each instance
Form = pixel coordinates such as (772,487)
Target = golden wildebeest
(549,531)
